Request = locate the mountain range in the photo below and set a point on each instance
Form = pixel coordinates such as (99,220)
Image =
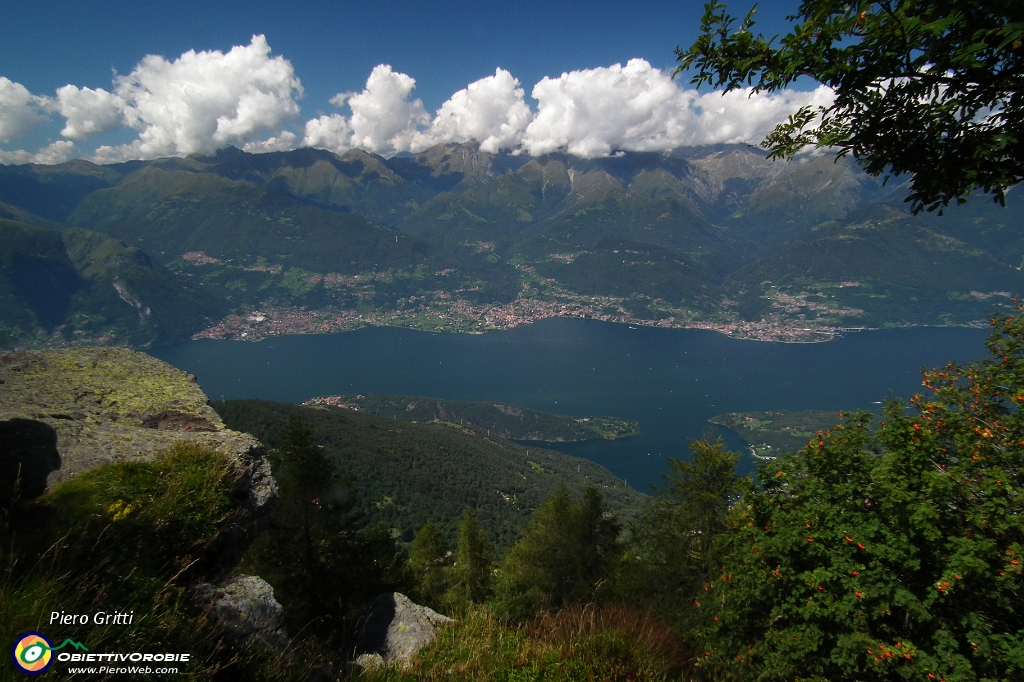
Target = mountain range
(245,245)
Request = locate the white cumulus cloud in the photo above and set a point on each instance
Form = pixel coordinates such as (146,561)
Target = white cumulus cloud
(636,107)
(284,141)
(739,116)
(589,113)
(332,133)
(491,111)
(384,120)
(88,111)
(205,100)
(56,152)
(20,110)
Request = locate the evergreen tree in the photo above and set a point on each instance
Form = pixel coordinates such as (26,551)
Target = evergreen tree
(680,534)
(597,544)
(321,565)
(306,473)
(568,550)
(428,557)
(471,575)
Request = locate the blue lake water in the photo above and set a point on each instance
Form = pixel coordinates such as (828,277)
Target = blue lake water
(671,381)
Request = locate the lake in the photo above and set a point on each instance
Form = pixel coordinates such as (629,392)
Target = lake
(671,381)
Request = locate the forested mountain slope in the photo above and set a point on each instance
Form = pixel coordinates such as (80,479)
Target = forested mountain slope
(405,474)
(80,286)
(459,239)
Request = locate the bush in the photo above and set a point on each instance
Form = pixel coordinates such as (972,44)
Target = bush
(893,554)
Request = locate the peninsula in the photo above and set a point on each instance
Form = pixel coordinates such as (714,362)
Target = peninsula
(498,419)
(776,432)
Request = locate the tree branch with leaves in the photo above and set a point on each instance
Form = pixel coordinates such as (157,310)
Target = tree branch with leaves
(931,90)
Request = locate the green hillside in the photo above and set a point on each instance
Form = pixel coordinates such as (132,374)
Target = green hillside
(446,238)
(882,268)
(254,243)
(987,225)
(52,192)
(80,286)
(637,272)
(405,474)
(171,212)
(498,419)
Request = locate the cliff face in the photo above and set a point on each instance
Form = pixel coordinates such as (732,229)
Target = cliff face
(63,412)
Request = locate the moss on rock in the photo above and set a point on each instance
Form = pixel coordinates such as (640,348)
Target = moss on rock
(115,404)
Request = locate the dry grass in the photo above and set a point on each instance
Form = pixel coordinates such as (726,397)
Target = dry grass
(577,644)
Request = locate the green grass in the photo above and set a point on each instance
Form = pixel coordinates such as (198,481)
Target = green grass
(583,643)
(130,537)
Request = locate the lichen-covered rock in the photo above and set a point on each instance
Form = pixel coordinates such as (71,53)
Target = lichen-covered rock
(245,612)
(395,628)
(370,662)
(115,404)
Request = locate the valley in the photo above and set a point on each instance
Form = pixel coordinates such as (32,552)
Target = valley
(455,239)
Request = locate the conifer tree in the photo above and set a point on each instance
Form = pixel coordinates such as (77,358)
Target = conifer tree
(322,566)
(304,475)
(428,557)
(471,575)
(568,550)
(680,534)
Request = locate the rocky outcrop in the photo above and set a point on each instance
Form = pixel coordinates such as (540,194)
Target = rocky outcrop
(113,405)
(245,612)
(392,629)
(28,454)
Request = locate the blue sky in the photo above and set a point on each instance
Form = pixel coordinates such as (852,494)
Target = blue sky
(331,48)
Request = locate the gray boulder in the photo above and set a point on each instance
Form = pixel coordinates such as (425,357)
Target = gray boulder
(245,612)
(392,629)
(65,411)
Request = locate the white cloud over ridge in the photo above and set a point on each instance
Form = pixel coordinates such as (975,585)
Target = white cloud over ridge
(285,141)
(245,97)
(384,120)
(20,110)
(491,111)
(588,113)
(636,107)
(57,152)
(205,100)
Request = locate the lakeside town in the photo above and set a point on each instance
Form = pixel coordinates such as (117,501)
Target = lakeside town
(463,317)
(795,315)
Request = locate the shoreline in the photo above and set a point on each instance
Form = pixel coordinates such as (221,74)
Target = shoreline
(276,322)
(270,322)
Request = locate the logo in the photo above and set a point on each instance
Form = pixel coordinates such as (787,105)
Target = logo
(33,652)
